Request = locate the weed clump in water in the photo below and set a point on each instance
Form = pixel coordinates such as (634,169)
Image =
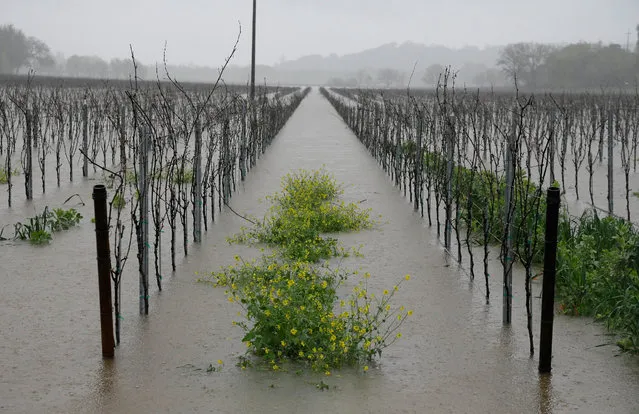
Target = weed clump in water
(4,175)
(38,230)
(598,273)
(305,209)
(292,307)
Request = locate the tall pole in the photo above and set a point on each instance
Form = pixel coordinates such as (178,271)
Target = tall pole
(252,107)
(253,54)
(548,292)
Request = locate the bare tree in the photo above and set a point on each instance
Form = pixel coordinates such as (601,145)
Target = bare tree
(523,61)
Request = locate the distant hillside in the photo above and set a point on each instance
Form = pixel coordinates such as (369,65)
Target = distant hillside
(395,56)
(388,65)
(362,68)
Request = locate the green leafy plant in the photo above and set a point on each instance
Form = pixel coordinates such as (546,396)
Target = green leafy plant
(38,237)
(183,176)
(65,219)
(38,230)
(305,209)
(291,303)
(597,273)
(294,313)
(118,201)
(4,176)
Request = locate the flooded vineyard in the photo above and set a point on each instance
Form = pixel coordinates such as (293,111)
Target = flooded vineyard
(455,354)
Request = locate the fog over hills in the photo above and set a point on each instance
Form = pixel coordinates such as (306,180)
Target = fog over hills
(369,43)
(396,56)
(404,57)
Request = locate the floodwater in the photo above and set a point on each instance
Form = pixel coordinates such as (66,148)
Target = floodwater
(455,355)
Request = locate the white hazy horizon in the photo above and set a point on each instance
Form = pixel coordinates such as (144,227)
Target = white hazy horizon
(202,33)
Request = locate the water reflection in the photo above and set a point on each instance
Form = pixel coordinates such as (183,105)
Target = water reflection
(545,394)
(105,381)
(507,342)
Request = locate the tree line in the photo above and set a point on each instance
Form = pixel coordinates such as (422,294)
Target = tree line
(574,66)
(20,53)
(532,65)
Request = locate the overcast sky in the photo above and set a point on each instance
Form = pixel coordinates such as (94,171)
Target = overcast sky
(202,32)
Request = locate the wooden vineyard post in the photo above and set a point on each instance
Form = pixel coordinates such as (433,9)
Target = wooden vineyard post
(419,163)
(610,163)
(548,292)
(144,220)
(85,139)
(122,139)
(72,109)
(551,149)
(197,185)
(226,151)
(253,137)
(508,216)
(243,146)
(28,176)
(104,269)
(450,157)
(602,132)
(35,122)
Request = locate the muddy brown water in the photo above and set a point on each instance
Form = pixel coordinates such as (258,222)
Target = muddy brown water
(455,355)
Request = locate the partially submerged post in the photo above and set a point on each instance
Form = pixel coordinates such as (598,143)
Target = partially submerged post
(450,154)
(143,186)
(197,185)
(419,164)
(226,155)
(104,269)
(243,155)
(548,292)
(85,139)
(508,225)
(551,148)
(610,162)
(122,139)
(28,174)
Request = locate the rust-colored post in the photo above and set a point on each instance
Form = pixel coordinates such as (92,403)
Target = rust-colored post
(104,269)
